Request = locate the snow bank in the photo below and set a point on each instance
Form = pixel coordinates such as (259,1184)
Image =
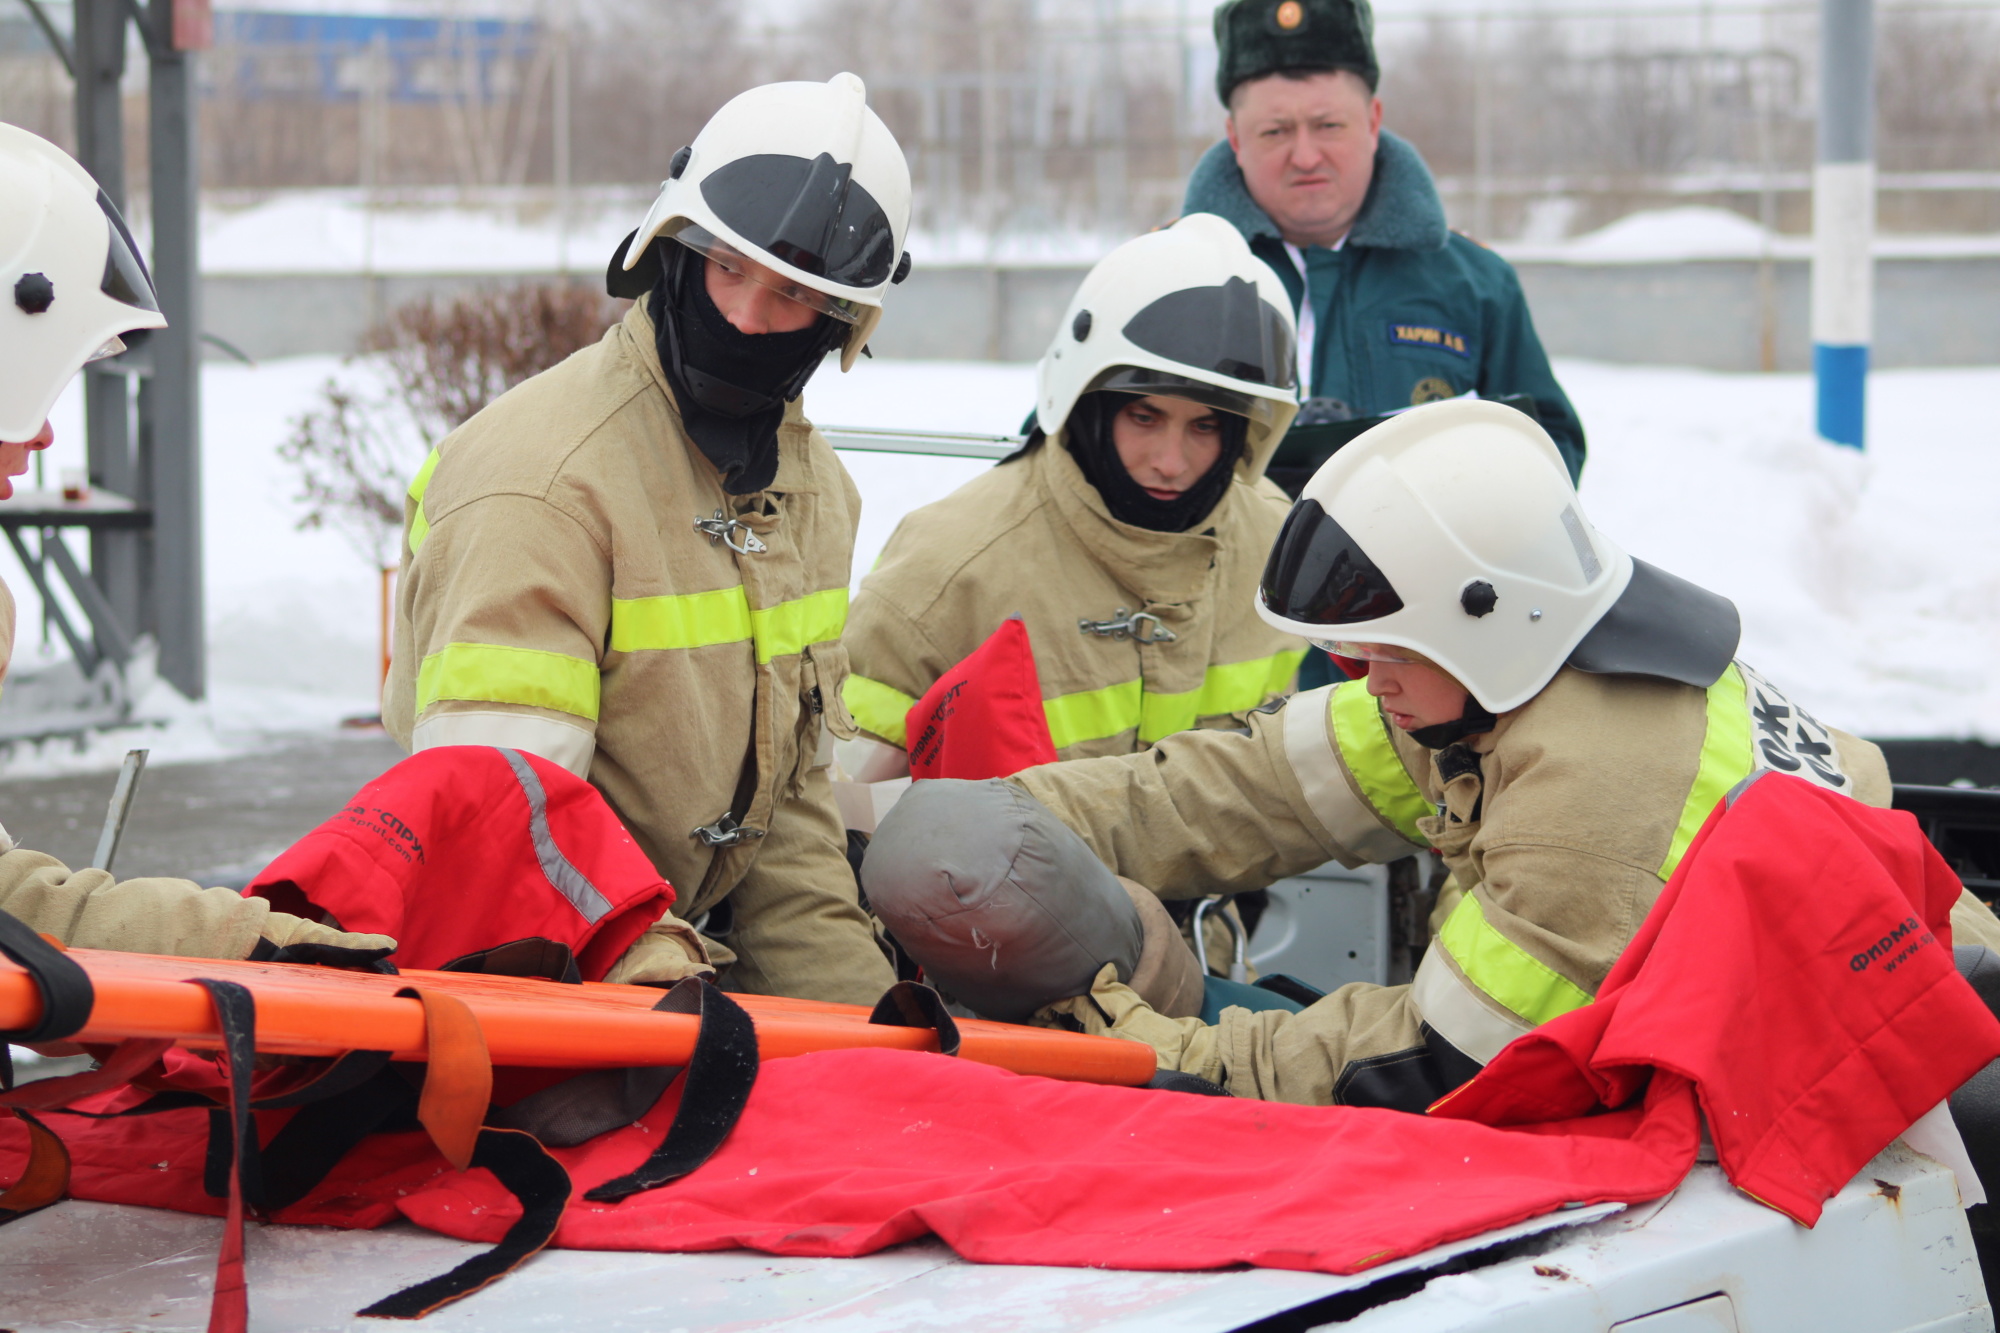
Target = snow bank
(1870,585)
(332,231)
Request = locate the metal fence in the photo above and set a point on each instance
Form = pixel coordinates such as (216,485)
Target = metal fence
(1027,120)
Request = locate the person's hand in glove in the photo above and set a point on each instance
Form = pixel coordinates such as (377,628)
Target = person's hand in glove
(668,951)
(1113,1009)
(281,930)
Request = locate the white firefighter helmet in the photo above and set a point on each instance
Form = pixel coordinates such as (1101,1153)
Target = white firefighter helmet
(1184,312)
(71,279)
(1452,530)
(805,179)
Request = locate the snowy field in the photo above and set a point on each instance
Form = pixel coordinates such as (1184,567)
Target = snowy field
(1870,585)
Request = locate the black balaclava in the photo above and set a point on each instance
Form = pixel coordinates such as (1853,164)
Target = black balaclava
(1088,435)
(731,387)
(1474,720)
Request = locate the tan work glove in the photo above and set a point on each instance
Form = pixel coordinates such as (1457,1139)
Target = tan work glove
(668,951)
(1113,1009)
(282,928)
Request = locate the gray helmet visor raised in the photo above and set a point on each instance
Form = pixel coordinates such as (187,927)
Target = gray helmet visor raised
(1148,383)
(1663,626)
(1318,575)
(810,214)
(125,276)
(1226,330)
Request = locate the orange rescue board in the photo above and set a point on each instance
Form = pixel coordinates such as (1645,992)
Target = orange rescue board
(325,1011)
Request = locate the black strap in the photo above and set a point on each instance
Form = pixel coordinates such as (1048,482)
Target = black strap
(525,1169)
(535,956)
(236,1013)
(720,1074)
(910,1004)
(67,995)
(315,954)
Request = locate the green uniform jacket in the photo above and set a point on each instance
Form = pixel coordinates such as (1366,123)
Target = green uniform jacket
(1407,311)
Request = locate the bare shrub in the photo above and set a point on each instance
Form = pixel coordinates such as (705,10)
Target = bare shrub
(356,450)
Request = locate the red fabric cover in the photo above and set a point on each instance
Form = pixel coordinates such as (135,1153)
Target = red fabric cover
(1744,982)
(439,853)
(983,718)
(1798,973)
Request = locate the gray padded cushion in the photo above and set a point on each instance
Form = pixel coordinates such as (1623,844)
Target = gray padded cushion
(1002,904)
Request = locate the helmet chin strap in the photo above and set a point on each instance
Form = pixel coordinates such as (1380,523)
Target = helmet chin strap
(1474,720)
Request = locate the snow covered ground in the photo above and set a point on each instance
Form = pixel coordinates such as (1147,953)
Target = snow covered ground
(1870,585)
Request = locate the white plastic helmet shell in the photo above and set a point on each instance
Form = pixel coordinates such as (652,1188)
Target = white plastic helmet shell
(855,204)
(1230,320)
(1442,498)
(70,281)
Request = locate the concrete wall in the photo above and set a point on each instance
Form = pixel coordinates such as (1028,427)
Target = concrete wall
(1708,313)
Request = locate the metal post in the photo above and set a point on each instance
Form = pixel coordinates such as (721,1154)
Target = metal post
(1843,272)
(116,558)
(170,399)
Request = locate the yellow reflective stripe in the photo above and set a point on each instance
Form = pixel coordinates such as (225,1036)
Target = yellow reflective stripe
(1362,735)
(703,619)
(489,673)
(1092,715)
(682,620)
(878,707)
(791,627)
(1503,969)
(1227,687)
(420,526)
(1726,759)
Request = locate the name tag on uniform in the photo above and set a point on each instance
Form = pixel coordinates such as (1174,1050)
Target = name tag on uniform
(1426,335)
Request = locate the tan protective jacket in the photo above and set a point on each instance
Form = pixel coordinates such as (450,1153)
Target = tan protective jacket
(1563,824)
(87,909)
(1034,539)
(560,595)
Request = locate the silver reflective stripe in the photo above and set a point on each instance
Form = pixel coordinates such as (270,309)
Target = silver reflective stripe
(1351,821)
(566,878)
(1450,1004)
(562,743)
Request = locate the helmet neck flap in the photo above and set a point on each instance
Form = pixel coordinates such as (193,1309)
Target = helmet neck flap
(731,387)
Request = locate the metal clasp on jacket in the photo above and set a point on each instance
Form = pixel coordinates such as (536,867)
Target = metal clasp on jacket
(725,832)
(723,529)
(1124,625)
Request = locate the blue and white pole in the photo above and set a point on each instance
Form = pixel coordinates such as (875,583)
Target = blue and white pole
(1843,272)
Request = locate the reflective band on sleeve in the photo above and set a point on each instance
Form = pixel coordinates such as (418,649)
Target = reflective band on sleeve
(1350,821)
(683,620)
(1454,1010)
(557,869)
(420,526)
(1362,734)
(489,673)
(567,743)
(1227,687)
(878,708)
(1093,715)
(704,619)
(1512,976)
(1726,759)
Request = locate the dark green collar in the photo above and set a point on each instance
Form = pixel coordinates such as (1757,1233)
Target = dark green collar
(1401,212)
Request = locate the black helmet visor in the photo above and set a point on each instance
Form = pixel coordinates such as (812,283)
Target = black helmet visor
(1318,575)
(1226,330)
(125,276)
(1148,382)
(809,214)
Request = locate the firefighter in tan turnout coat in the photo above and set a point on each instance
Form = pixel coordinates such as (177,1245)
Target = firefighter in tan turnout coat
(1553,717)
(74,283)
(1129,532)
(636,564)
